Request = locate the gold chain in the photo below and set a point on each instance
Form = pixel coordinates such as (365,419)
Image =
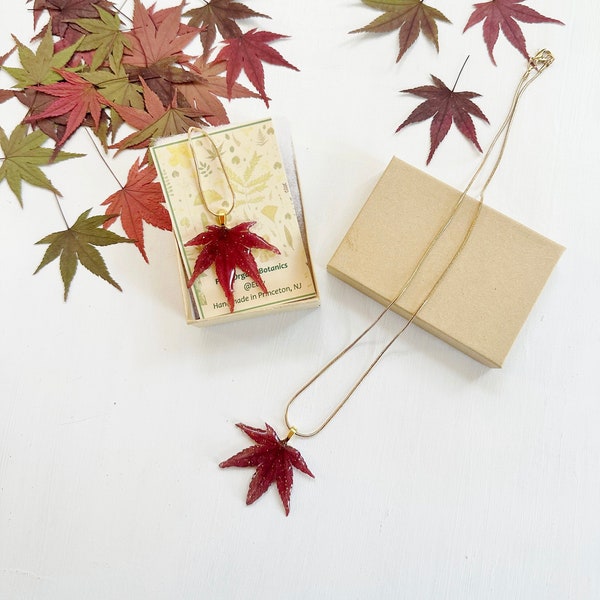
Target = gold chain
(537,64)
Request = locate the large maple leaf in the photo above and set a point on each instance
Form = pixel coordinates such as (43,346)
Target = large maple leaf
(219,15)
(204,91)
(40,67)
(503,15)
(445,106)
(22,156)
(76,97)
(155,121)
(139,200)
(228,249)
(248,52)
(411,17)
(64,13)
(274,460)
(76,244)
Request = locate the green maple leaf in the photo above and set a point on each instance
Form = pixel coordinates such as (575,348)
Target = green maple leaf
(104,37)
(23,156)
(410,17)
(39,67)
(76,245)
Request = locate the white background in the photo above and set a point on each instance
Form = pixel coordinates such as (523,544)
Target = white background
(441,479)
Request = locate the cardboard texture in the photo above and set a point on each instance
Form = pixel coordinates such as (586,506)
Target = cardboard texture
(263,177)
(483,301)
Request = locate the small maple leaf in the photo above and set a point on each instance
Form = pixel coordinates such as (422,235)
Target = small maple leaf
(409,16)
(22,157)
(274,460)
(75,97)
(139,200)
(104,36)
(445,106)
(76,244)
(203,92)
(503,15)
(228,249)
(221,15)
(39,68)
(248,52)
(155,121)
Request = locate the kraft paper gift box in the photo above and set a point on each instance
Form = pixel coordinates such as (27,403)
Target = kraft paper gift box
(483,301)
(262,172)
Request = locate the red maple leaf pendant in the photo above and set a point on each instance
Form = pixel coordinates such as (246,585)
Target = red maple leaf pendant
(274,460)
(228,249)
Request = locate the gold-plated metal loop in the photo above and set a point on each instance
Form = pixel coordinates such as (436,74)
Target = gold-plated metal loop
(536,65)
(290,435)
(222,213)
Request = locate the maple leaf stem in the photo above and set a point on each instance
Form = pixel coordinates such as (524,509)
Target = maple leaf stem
(460,72)
(60,210)
(120,11)
(102,157)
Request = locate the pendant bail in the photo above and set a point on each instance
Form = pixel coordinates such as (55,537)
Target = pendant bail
(221,217)
(290,435)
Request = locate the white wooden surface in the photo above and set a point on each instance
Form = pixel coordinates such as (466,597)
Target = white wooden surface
(441,479)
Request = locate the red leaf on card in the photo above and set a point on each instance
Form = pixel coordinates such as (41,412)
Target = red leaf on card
(228,249)
(411,17)
(248,52)
(203,93)
(75,97)
(139,200)
(156,121)
(221,15)
(274,460)
(503,15)
(445,106)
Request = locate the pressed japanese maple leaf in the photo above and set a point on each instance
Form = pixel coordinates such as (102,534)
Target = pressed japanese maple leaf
(228,249)
(22,157)
(248,52)
(63,14)
(155,121)
(139,200)
(103,36)
(40,67)
(76,97)
(503,15)
(76,244)
(445,106)
(203,93)
(219,15)
(274,460)
(411,17)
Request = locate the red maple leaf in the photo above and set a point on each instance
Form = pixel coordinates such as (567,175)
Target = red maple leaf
(248,52)
(139,200)
(274,461)
(228,249)
(504,14)
(75,97)
(445,106)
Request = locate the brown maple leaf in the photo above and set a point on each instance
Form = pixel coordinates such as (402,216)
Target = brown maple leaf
(139,200)
(203,93)
(156,121)
(228,249)
(274,460)
(75,97)
(411,17)
(248,52)
(219,15)
(503,15)
(445,106)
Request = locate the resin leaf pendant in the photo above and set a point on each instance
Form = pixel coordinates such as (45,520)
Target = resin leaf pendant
(228,249)
(274,461)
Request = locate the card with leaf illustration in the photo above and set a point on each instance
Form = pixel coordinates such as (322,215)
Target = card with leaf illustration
(265,186)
